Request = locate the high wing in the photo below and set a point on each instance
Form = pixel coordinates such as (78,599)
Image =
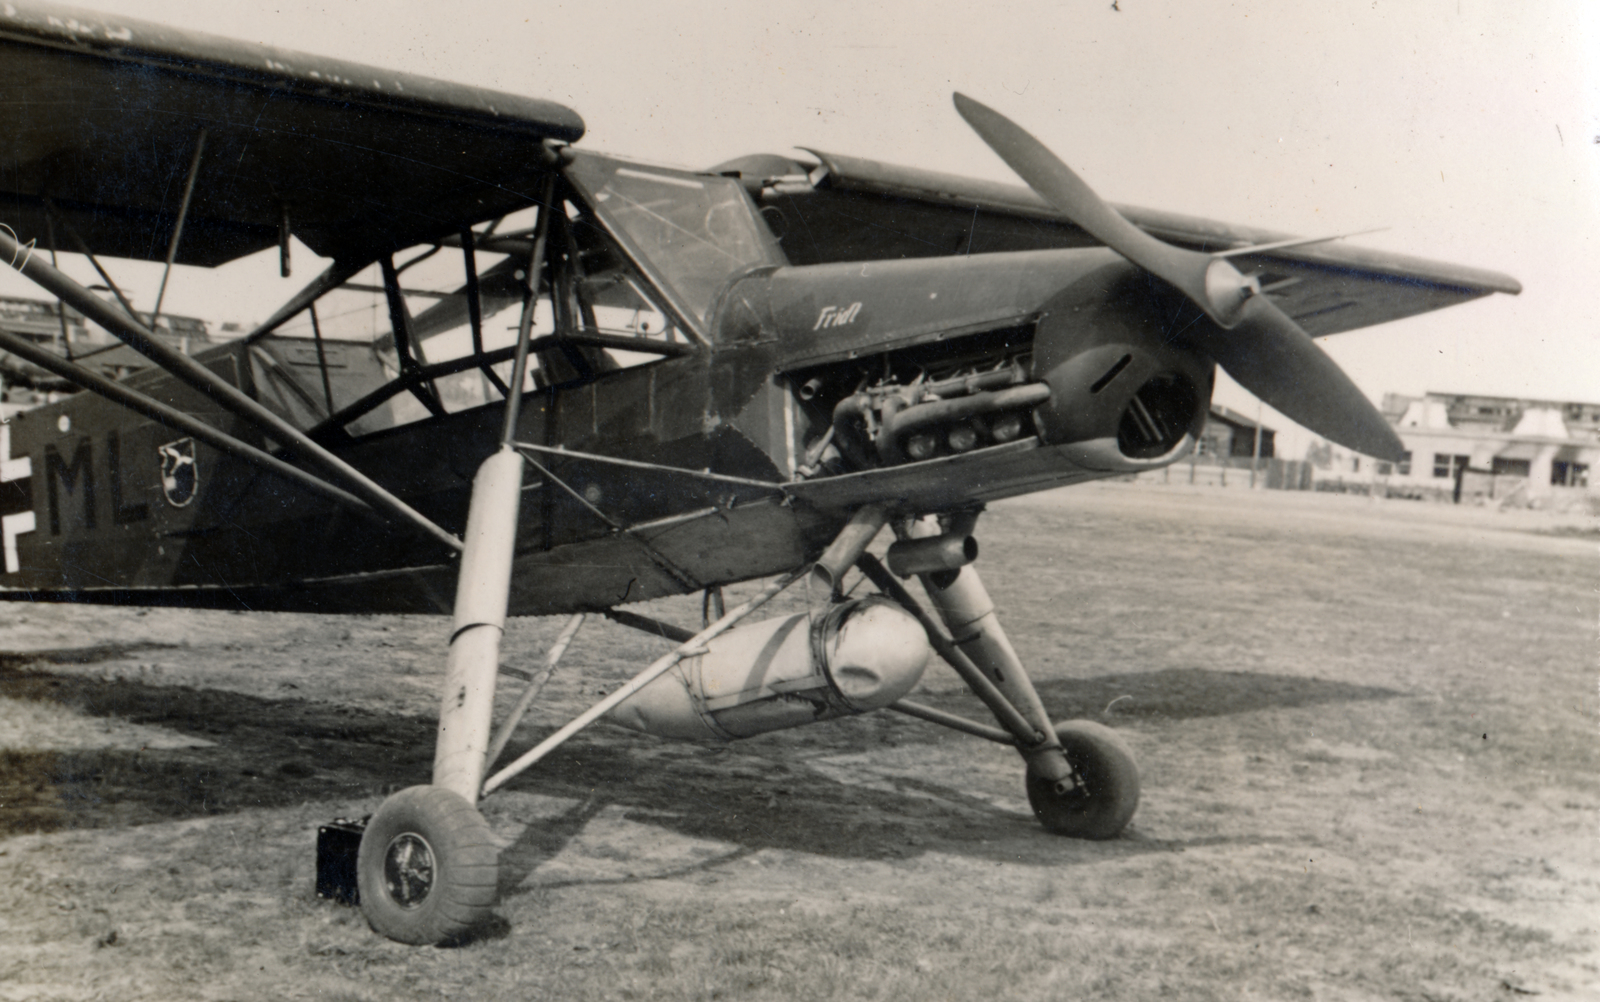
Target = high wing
(852,209)
(104,114)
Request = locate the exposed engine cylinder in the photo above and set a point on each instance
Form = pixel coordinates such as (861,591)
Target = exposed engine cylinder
(859,656)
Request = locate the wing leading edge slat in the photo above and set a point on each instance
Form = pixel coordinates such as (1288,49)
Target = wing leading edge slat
(849,209)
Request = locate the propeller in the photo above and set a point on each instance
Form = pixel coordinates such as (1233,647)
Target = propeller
(1258,344)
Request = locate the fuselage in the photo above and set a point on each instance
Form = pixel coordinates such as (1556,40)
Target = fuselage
(734,456)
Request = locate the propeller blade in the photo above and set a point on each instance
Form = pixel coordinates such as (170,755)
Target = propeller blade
(1268,354)
(1210,282)
(1257,343)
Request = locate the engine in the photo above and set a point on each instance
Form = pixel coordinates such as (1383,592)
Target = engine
(1106,384)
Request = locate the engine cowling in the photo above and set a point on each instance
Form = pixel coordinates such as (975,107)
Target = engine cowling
(1123,391)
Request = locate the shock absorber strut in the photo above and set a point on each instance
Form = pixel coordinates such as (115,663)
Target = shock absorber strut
(968,612)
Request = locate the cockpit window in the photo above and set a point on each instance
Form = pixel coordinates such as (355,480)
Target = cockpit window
(695,231)
(431,330)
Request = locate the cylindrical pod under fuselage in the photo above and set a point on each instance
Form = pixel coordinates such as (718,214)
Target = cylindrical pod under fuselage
(857,656)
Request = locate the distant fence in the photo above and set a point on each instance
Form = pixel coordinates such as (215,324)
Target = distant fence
(1503,490)
(1475,488)
(1380,488)
(1500,490)
(1274,474)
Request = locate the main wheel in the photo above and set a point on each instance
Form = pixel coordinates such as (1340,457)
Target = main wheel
(427,867)
(1107,793)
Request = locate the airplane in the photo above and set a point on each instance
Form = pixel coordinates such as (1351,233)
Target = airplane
(539,380)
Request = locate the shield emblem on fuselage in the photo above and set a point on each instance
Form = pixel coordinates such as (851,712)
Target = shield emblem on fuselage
(180,477)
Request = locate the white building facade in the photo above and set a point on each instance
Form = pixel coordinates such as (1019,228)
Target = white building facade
(1505,449)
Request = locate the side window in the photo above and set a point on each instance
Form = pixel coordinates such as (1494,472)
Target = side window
(396,342)
(694,231)
(610,296)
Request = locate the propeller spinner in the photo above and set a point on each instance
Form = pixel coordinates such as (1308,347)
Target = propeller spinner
(1257,343)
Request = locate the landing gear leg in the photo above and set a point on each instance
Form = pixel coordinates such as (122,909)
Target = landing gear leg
(1081,779)
(427,865)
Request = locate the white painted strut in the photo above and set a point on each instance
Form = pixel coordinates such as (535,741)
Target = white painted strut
(657,668)
(968,611)
(467,710)
(535,686)
(846,549)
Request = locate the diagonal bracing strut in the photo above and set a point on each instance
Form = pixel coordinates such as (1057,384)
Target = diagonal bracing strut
(142,340)
(694,645)
(171,417)
(535,686)
(845,550)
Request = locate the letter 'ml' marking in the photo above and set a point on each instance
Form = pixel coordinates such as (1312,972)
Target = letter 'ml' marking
(64,476)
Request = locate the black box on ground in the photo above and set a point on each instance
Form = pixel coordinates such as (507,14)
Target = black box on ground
(337,845)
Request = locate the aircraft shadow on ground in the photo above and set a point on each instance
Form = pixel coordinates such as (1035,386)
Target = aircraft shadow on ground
(753,795)
(1185,693)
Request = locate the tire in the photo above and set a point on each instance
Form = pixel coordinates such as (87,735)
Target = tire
(427,868)
(1108,793)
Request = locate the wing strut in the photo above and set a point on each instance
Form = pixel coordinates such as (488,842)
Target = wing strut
(530,300)
(173,418)
(83,248)
(224,393)
(177,229)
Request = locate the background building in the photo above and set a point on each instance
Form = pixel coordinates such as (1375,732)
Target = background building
(65,331)
(1506,449)
(1230,434)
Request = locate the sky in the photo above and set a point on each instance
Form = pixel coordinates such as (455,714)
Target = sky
(1470,129)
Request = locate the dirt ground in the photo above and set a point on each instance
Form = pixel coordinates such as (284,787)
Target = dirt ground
(1367,733)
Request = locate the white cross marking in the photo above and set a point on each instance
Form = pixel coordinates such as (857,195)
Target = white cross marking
(12,469)
(12,526)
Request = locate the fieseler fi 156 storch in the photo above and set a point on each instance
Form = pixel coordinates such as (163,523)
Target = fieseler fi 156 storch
(537,380)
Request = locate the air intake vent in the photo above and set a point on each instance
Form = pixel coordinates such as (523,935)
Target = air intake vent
(1157,417)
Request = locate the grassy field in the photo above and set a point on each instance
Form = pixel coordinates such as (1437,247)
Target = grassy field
(1367,733)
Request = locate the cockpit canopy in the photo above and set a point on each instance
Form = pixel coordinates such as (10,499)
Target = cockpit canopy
(632,261)
(693,232)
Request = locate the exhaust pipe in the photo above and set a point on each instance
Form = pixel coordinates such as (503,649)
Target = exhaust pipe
(901,418)
(903,421)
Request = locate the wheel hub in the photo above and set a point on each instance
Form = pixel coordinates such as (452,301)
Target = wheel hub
(1065,787)
(408,869)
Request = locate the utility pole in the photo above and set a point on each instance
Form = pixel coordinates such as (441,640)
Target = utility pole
(1255,448)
